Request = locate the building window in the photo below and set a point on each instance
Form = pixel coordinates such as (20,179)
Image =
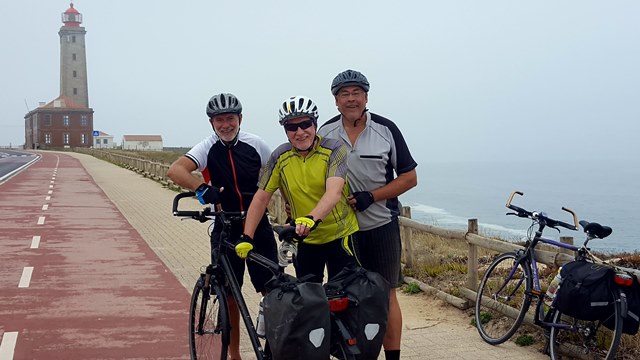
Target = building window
(73,57)
(65,138)
(65,120)
(73,38)
(47,138)
(75,73)
(47,120)
(83,138)
(75,91)
(105,141)
(83,120)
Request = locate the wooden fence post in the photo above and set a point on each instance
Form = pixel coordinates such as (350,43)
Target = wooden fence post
(405,237)
(472,261)
(565,240)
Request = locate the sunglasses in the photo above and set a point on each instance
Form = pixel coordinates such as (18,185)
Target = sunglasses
(302,125)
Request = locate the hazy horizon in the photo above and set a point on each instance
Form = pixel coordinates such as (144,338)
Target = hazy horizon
(463,80)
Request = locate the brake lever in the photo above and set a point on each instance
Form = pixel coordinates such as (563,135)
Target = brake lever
(512,213)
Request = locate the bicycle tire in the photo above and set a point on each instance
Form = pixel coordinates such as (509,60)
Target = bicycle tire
(513,300)
(209,326)
(602,345)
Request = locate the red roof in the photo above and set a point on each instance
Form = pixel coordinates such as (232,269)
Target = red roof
(63,102)
(72,10)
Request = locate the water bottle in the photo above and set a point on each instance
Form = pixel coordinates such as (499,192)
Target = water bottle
(260,330)
(552,290)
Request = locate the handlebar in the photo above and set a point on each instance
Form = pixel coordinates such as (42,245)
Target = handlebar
(540,216)
(206,213)
(287,233)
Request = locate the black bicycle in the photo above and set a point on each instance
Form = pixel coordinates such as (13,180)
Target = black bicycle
(511,282)
(209,324)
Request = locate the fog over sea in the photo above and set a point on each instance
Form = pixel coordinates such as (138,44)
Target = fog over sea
(607,192)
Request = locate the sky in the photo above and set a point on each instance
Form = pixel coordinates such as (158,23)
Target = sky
(463,80)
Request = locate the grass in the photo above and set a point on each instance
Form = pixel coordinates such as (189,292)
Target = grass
(411,288)
(443,265)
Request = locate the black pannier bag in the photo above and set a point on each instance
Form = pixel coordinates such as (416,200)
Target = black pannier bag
(368,311)
(631,323)
(296,316)
(585,291)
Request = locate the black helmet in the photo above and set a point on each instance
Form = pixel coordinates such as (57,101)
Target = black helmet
(223,104)
(349,78)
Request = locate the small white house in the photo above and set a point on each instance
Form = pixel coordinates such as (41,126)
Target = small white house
(142,142)
(103,141)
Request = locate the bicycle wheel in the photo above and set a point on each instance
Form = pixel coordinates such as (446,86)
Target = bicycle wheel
(209,327)
(503,300)
(587,339)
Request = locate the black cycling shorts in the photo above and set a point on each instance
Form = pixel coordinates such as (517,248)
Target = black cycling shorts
(312,258)
(379,250)
(264,244)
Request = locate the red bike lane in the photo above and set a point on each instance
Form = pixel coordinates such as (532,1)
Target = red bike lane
(76,280)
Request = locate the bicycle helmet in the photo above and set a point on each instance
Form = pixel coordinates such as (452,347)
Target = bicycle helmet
(349,78)
(223,104)
(296,106)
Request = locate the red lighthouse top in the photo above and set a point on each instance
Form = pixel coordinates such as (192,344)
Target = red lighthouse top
(72,17)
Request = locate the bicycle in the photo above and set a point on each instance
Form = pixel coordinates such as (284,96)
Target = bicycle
(511,282)
(209,324)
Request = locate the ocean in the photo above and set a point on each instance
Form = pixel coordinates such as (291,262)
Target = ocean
(607,192)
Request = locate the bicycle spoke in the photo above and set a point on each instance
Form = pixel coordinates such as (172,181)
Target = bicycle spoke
(208,324)
(502,301)
(590,340)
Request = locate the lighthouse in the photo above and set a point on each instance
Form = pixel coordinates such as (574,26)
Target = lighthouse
(73,58)
(66,121)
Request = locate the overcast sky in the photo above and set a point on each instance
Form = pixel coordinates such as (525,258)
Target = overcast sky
(475,80)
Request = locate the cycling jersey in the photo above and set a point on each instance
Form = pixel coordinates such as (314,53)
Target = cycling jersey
(302,182)
(377,152)
(235,167)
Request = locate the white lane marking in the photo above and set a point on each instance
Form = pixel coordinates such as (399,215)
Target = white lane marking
(35,242)
(50,192)
(25,279)
(50,186)
(41,220)
(51,181)
(48,198)
(45,207)
(8,345)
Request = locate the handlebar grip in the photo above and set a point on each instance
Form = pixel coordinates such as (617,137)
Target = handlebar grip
(575,218)
(287,233)
(176,199)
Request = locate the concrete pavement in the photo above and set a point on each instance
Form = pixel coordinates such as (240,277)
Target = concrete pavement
(184,247)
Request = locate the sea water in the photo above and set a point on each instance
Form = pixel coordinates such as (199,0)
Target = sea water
(607,192)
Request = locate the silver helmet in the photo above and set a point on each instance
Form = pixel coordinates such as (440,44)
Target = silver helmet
(223,104)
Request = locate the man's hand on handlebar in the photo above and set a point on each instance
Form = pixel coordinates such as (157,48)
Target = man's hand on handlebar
(208,194)
(243,246)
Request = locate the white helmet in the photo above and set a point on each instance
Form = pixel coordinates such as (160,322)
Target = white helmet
(297,106)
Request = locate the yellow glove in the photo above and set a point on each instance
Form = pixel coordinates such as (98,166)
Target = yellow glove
(308,222)
(244,246)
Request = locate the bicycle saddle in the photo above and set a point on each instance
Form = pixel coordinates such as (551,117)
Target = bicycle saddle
(595,229)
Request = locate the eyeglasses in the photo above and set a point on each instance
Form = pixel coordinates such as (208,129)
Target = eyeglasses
(302,125)
(345,94)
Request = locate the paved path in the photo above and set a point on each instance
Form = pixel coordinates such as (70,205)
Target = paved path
(183,246)
(77,281)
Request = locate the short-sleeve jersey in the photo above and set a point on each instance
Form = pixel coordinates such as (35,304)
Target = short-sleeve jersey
(236,167)
(377,153)
(302,182)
